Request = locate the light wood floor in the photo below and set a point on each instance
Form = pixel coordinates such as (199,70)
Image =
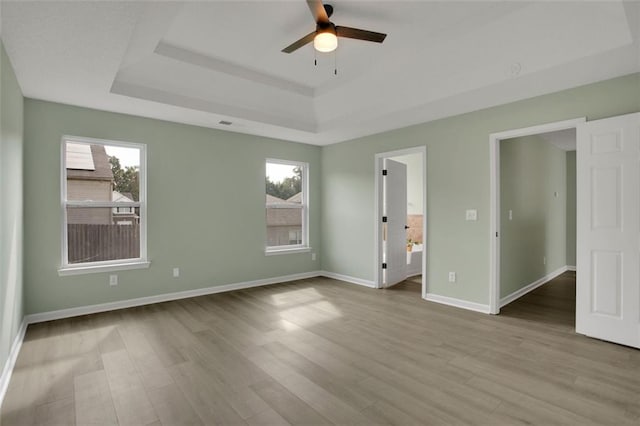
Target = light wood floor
(319,351)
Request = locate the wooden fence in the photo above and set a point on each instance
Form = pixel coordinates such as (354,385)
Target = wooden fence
(93,243)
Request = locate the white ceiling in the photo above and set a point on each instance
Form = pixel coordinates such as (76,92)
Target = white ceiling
(203,62)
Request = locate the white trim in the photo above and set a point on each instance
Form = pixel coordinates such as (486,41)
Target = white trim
(348,279)
(7,371)
(530,287)
(494,225)
(102,204)
(494,188)
(64,203)
(378,201)
(306,244)
(275,251)
(571,268)
(458,303)
(81,269)
(377,220)
(166,297)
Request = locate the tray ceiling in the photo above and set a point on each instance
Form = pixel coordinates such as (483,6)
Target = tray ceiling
(205,62)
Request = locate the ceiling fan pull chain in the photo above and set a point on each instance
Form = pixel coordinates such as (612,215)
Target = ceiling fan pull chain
(335,63)
(315,58)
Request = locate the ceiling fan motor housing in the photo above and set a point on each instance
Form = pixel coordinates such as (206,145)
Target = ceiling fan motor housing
(326,28)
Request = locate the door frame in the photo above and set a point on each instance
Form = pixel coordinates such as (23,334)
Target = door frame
(378,204)
(494,203)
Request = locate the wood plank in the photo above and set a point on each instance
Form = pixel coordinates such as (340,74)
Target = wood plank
(324,352)
(60,412)
(94,404)
(287,405)
(172,407)
(129,396)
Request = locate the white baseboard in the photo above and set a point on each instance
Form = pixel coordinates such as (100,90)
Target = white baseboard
(530,287)
(571,268)
(11,360)
(103,307)
(347,278)
(458,303)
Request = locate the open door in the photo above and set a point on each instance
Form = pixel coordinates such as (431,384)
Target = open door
(395,211)
(608,234)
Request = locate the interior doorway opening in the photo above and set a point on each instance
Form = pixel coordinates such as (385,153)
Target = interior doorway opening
(532,208)
(401,230)
(538,220)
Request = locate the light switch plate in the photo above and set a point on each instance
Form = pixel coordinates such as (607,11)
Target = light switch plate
(472,214)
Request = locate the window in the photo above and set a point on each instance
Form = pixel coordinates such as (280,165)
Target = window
(287,206)
(103,205)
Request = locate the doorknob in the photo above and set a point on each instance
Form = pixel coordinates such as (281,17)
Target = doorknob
(406,227)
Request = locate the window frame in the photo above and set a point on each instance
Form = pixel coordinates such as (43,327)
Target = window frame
(304,247)
(141,262)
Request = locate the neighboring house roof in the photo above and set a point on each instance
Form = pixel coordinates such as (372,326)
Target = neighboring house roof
(294,200)
(274,200)
(297,198)
(120,198)
(101,165)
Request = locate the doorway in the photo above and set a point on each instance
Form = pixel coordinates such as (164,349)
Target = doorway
(410,244)
(503,215)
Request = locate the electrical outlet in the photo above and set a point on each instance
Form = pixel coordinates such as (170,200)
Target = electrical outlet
(510,214)
(176,272)
(313,256)
(544,260)
(452,277)
(113,280)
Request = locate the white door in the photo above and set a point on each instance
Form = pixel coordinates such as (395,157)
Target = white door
(608,201)
(395,210)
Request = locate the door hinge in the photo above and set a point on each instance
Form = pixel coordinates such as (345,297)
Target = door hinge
(384,172)
(384,219)
(384,266)
(496,235)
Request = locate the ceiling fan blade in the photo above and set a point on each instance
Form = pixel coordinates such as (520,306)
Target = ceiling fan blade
(349,32)
(298,44)
(317,10)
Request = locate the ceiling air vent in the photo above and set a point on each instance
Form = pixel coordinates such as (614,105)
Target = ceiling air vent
(225,122)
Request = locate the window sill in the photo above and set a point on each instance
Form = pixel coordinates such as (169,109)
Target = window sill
(92,269)
(274,252)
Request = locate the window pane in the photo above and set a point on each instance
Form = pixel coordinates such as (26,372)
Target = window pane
(284,226)
(98,172)
(93,235)
(284,184)
(285,204)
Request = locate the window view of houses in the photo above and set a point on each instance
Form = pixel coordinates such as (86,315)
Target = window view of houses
(284,205)
(102,183)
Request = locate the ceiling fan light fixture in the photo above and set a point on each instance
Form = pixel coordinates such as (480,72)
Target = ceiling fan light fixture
(325,41)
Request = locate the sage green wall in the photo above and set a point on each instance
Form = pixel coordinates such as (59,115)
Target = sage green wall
(571,208)
(533,182)
(205,207)
(457,179)
(11,142)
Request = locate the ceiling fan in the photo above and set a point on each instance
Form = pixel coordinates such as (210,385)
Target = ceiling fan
(325,37)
